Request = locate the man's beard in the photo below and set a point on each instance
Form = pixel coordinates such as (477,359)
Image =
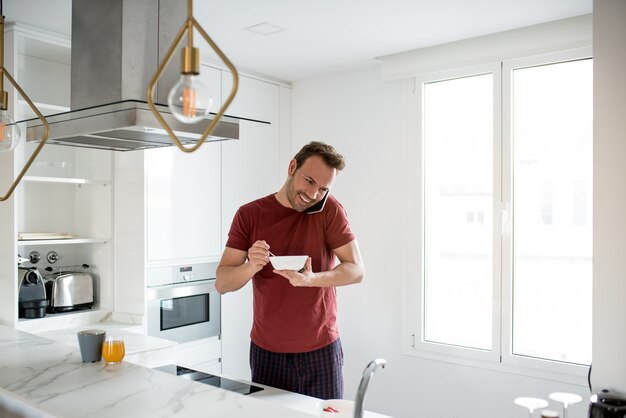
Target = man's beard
(294,198)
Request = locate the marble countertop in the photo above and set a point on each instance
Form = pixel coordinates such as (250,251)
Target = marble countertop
(47,378)
(140,349)
(51,377)
(135,342)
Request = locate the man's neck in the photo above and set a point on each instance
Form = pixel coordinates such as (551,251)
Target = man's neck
(281,196)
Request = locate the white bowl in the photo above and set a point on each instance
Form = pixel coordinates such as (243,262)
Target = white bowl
(344,407)
(288,262)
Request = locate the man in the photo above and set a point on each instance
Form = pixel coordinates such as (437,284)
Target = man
(295,341)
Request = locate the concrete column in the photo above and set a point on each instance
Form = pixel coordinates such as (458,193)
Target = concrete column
(609,188)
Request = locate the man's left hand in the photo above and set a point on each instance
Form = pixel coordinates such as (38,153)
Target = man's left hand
(302,278)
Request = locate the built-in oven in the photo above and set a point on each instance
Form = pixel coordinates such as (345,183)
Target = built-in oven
(182,304)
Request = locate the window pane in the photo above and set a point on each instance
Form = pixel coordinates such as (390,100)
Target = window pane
(458,210)
(552,238)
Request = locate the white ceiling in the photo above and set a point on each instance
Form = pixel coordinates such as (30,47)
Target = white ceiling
(327,36)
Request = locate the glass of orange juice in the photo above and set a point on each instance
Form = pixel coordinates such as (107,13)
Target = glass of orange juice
(113,348)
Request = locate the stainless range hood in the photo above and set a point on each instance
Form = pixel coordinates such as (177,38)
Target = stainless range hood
(116,48)
(124,126)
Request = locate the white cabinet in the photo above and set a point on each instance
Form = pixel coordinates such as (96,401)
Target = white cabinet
(204,355)
(75,205)
(250,166)
(255,99)
(183,203)
(68,191)
(129,232)
(183,197)
(63,204)
(212,77)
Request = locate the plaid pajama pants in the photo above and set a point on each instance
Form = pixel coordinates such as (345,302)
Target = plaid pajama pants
(315,373)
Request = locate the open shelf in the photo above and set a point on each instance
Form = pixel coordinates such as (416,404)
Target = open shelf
(45,109)
(64,180)
(64,241)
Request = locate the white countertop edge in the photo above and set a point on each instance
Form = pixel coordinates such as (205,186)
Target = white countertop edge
(14,407)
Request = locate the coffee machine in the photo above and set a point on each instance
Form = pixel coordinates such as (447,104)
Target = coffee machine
(607,404)
(32,300)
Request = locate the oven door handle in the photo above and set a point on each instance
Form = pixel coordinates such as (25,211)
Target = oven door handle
(180,290)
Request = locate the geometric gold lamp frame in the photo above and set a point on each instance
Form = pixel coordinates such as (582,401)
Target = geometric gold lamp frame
(44,138)
(188,27)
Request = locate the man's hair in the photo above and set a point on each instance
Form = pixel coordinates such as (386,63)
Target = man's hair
(328,153)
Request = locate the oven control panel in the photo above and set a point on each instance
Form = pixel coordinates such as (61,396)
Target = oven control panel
(166,275)
(186,274)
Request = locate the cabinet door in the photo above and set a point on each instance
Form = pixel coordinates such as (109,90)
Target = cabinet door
(205,352)
(251,169)
(183,203)
(255,99)
(212,77)
(251,164)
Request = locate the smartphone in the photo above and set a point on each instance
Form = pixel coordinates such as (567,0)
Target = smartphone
(319,206)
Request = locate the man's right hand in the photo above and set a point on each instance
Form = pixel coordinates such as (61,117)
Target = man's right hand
(234,272)
(258,255)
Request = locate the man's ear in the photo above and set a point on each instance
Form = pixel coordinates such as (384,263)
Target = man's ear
(292,167)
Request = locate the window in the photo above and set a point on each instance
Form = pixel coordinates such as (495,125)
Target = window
(501,267)
(552,161)
(458,183)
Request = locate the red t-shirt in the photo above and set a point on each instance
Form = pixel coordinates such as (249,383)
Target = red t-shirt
(290,319)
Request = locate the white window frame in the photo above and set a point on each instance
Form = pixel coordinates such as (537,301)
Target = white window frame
(413,343)
(507,264)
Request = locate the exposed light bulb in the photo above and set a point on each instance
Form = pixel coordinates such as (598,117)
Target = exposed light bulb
(10,135)
(190,100)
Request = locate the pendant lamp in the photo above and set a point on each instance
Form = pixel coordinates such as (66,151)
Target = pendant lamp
(190,100)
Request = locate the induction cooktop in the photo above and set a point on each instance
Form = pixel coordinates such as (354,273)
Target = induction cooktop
(210,379)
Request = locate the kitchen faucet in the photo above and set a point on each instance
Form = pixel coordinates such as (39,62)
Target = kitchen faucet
(365,380)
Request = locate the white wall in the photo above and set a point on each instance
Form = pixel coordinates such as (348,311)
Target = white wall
(367,121)
(609,237)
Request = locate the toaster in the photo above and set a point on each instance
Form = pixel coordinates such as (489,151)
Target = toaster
(69,291)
